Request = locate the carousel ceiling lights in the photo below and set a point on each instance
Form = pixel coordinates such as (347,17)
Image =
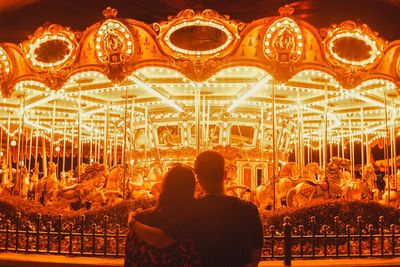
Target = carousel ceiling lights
(151,90)
(198,23)
(373,52)
(249,92)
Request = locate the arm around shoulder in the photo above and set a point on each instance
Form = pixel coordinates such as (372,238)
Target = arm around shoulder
(153,236)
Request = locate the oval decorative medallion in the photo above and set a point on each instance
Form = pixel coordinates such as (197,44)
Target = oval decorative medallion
(114,43)
(198,37)
(283,40)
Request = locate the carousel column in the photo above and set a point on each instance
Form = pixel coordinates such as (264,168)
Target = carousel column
(274,168)
(325,141)
(368,148)
(9,160)
(20,128)
(72,146)
(386,148)
(52,131)
(64,143)
(91,141)
(394,141)
(44,156)
(105,144)
(197,119)
(145,135)
(30,150)
(262,144)
(115,146)
(123,157)
(351,146)
(362,142)
(342,139)
(79,161)
(300,147)
(131,135)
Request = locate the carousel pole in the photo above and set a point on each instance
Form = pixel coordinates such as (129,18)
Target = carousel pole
(30,150)
(300,148)
(325,132)
(9,160)
(320,152)
(368,148)
(44,156)
(208,123)
(342,139)
(132,139)
(52,131)
(197,114)
(145,135)
(95,149)
(19,134)
(26,151)
(79,161)
(351,149)
(37,141)
(72,146)
(262,143)
(274,169)
(91,141)
(362,143)
(105,144)
(64,143)
(394,141)
(124,141)
(203,123)
(115,145)
(386,147)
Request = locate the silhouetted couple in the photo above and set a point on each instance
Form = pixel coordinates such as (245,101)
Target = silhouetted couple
(214,230)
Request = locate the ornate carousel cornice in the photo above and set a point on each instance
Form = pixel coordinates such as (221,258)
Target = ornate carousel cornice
(281,45)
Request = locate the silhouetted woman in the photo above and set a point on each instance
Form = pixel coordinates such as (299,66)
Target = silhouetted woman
(175,199)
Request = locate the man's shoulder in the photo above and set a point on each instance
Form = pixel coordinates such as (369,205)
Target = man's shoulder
(231,201)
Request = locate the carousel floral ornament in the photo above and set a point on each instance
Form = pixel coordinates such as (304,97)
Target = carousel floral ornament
(114,45)
(282,44)
(51,51)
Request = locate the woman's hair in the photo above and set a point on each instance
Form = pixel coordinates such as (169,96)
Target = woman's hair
(177,189)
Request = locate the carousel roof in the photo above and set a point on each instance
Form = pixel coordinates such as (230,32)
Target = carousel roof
(346,71)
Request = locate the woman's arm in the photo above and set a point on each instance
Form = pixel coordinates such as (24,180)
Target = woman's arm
(152,236)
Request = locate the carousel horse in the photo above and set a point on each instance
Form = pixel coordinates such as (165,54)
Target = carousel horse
(358,189)
(34,182)
(312,191)
(48,186)
(391,196)
(264,197)
(6,185)
(21,186)
(289,177)
(88,189)
(114,186)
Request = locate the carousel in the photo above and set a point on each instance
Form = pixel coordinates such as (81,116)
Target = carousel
(99,115)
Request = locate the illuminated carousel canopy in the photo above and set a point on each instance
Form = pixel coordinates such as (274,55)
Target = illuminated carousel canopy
(158,78)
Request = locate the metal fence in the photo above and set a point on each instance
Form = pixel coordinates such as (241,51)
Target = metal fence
(284,242)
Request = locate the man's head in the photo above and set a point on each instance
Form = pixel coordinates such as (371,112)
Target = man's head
(210,169)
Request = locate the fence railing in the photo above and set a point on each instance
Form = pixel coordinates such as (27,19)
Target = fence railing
(283,242)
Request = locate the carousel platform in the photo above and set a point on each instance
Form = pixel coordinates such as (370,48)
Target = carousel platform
(18,259)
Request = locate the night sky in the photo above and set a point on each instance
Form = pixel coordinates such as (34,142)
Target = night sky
(20,18)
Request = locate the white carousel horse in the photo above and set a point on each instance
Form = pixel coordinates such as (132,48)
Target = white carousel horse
(308,191)
(21,186)
(358,189)
(264,197)
(6,185)
(289,177)
(391,197)
(113,189)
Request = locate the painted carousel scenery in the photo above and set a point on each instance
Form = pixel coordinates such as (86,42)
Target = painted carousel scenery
(276,137)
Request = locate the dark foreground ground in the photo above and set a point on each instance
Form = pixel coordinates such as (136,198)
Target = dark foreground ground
(18,260)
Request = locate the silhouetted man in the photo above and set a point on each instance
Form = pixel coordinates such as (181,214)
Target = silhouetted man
(225,230)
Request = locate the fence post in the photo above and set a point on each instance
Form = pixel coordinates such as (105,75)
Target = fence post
(382,232)
(39,217)
(287,232)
